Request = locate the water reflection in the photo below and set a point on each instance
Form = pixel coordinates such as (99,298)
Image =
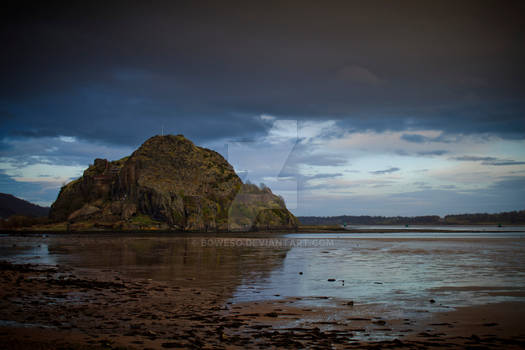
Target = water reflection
(391,269)
(474,228)
(403,272)
(177,259)
(26,251)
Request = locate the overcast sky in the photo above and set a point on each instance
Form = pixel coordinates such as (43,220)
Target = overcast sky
(376,107)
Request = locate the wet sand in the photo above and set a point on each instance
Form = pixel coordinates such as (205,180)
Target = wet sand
(51,307)
(481,228)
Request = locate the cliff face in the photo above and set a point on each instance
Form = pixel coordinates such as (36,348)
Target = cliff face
(169,183)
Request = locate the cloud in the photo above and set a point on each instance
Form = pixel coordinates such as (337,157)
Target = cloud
(432,153)
(67,139)
(42,193)
(475,159)
(321,160)
(503,163)
(319,181)
(360,75)
(322,176)
(415,138)
(494,161)
(441,138)
(503,195)
(385,171)
(509,184)
(210,77)
(341,185)
(23,152)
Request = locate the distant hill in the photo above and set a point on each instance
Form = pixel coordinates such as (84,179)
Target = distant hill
(505,218)
(11,205)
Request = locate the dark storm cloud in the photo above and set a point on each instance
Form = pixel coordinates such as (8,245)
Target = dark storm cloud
(53,151)
(385,171)
(117,73)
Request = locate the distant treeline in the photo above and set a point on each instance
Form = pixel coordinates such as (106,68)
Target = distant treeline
(506,218)
(19,221)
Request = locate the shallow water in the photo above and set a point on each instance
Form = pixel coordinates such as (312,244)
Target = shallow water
(407,272)
(477,228)
(402,271)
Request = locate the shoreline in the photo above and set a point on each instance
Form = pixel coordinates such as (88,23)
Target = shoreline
(48,307)
(313,230)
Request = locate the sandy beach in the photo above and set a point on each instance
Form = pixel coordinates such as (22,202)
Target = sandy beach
(52,306)
(60,307)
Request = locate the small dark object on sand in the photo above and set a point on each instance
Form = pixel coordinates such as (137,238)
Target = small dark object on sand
(432,301)
(172,345)
(331,280)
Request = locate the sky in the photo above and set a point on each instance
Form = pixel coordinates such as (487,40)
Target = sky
(342,107)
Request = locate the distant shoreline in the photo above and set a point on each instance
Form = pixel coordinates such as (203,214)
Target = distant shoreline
(303,229)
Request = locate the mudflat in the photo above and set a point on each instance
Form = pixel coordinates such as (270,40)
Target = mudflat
(67,303)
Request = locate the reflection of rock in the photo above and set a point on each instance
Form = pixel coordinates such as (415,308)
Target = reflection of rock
(222,267)
(169,183)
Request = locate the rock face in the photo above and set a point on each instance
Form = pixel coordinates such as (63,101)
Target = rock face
(169,183)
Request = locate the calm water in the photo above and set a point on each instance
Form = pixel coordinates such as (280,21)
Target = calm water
(481,228)
(404,271)
(401,270)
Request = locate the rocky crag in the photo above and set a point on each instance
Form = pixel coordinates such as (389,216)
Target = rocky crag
(168,183)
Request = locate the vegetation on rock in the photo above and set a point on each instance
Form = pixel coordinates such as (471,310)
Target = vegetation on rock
(169,183)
